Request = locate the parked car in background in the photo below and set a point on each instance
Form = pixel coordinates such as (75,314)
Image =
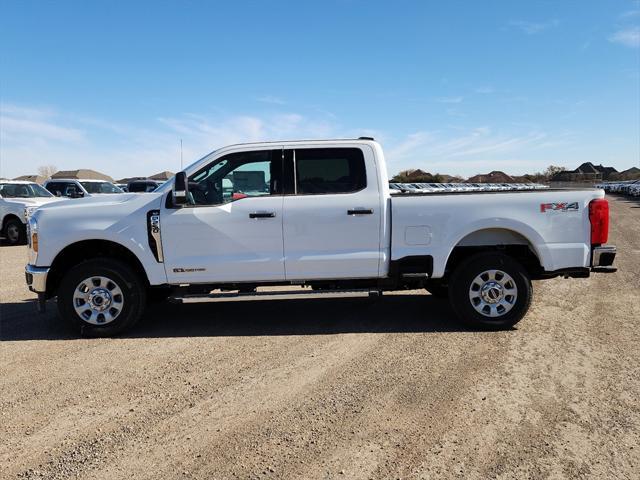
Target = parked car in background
(462,187)
(626,187)
(72,188)
(122,186)
(17,201)
(142,186)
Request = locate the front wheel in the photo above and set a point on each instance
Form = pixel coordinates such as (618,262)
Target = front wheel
(15,232)
(490,291)
(101,297)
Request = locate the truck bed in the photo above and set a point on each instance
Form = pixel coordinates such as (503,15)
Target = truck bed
(553,223)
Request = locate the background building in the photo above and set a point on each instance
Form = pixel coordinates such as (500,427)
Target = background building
(82,174)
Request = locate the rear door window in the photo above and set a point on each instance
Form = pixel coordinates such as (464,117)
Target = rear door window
(329,171)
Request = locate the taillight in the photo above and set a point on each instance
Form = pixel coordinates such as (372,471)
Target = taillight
(599,218)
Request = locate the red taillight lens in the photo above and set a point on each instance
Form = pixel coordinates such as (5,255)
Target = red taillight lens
(599,218)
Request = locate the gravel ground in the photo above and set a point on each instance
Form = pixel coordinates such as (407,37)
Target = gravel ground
(331,388)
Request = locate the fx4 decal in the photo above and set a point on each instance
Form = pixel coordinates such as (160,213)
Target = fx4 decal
(559,207)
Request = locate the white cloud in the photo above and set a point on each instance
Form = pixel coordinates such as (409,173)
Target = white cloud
(485,90)
(30,137)
(271,99)
(449,99)
(31,124)
(473,150)
(630,14)
(40,136)
(531,28)
(409,145)
(629,37)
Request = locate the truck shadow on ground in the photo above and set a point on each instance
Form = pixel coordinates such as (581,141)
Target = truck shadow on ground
(389,314)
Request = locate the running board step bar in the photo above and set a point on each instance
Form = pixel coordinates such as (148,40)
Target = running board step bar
(276,295)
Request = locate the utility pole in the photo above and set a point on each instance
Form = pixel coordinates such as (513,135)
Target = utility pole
(180,154)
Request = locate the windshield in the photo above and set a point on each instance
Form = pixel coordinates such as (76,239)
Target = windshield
(22,190)
(100,187)
(142,186)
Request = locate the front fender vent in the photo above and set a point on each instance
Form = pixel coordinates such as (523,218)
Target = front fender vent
(154,234)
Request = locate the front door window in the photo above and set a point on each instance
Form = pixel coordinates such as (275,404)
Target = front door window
(236,176)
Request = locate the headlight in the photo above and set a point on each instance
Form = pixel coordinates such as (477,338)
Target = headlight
(28,211)
(32,232)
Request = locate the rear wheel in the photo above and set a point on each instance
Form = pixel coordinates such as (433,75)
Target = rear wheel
(15,232)
(101,297)
(490,291)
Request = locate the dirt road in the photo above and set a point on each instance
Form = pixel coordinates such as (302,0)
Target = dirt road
(340,388)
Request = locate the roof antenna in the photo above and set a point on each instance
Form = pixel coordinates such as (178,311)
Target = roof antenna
(180,154)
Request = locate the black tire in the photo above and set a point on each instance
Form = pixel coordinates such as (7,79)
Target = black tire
(438,290)
(463,280)
(127,280)
(15,232)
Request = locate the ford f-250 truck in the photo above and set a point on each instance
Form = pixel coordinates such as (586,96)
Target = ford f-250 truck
(312,213)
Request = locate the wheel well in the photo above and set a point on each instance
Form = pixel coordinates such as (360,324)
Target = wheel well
(8,217)
(85,250)
(503,241)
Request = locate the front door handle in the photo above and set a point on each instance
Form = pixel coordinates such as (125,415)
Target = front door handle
(360,211)
(262,215)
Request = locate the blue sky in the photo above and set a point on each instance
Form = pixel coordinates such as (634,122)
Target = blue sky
(452,86)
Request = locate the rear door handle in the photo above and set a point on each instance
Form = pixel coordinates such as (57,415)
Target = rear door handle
(360,211)
(262,215)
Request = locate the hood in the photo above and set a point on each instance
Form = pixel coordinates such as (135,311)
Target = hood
(101,205)
(34,201)
(99,200)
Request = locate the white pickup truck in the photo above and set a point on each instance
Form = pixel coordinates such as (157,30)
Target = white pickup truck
(18,199)
(317,214)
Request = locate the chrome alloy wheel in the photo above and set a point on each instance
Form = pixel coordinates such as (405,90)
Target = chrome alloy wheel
(493,293)
(98,300)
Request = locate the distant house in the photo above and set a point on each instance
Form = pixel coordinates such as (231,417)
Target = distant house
(420,176)
(521,179)
(632,173)
(444,178)
(83,173)
(32,178)
(492,177)
(162,176)
(587,172)
(129,179)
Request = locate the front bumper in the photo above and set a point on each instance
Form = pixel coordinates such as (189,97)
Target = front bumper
(36,278)
(602,259)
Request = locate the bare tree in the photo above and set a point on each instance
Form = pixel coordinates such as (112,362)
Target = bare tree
(47,170)
(552,170)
